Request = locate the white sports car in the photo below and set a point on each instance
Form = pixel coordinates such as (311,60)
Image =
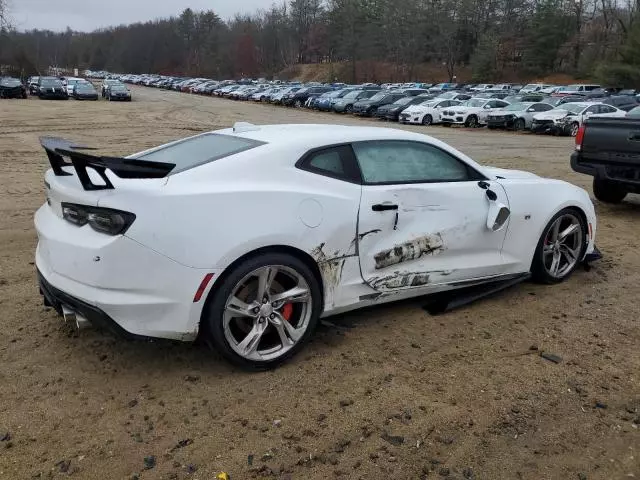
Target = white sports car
(247,236)
(426,113)
(471,113)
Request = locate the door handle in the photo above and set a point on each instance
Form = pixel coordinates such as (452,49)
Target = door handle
(383,207)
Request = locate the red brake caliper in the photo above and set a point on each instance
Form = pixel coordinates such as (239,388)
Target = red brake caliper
(287,311)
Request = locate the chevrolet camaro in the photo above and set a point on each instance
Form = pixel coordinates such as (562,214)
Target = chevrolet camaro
(245,237)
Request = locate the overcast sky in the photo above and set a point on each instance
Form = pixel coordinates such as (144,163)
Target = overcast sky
(87,15)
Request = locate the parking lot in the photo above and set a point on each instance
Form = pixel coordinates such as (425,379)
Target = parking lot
(391,392)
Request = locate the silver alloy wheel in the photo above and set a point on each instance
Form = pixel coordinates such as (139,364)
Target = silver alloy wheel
(562,246)
(574,129)
(267,313)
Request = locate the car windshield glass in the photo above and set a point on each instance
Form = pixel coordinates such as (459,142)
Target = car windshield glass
(448,95)
(474,103)
(84,87)
(9,82)
(118,88)
(378,96)
(572,107)
(430,103)
(194,151)
(403,101)
(50,82)
(516,107)
(634,112)
(353,94)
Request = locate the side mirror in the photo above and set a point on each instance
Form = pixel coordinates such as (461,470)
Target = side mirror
(498,212)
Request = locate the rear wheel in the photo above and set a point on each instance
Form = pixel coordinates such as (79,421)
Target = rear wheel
(560,248)
(264,311)
(608,192)
(297,104)
(427,120)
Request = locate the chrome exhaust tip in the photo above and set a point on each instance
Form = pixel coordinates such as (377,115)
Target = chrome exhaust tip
(75,318)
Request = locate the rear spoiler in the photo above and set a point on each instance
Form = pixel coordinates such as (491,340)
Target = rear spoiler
(58,148)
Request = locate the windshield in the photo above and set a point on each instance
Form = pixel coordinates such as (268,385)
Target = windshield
(195,151)
(10,82)
(84,87)
(353,94)
(572,107)
(404,101)
(516,107)
(119,88)
(50,82)
(448,95)
(378,96)
(474,102)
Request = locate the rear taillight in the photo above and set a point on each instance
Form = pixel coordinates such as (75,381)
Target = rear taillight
(580,137)
(103,220)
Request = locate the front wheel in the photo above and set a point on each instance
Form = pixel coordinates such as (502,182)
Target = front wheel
(519,125)
(561,247)
(348,109)
(472,121)
(608,192)
(573,129)
(264,311)
(427,120)
(297,104)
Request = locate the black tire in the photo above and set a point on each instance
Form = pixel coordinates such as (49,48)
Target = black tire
(608,192)
(212,324)
(519,125)
(348,109)
(427,120)
(472,121)
(297,104)
(538,270)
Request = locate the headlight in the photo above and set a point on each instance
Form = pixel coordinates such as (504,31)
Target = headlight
(103,220)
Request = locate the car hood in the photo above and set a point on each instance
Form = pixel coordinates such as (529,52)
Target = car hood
(363,103)
(416,109)
(555,114)
(509,174)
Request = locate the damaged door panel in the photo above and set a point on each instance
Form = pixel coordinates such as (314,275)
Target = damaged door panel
(440,235)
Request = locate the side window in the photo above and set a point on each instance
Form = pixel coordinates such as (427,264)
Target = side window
(592,109)
(542,107)
(389,162)
(606,109)
(330,162)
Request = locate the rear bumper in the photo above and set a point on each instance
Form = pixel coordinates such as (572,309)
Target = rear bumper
(628,176)
(116,282)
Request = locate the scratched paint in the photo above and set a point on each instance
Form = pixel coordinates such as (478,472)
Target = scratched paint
(330,268)
(413,250)
(400,280)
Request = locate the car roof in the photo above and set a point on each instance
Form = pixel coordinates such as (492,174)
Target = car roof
(319,135)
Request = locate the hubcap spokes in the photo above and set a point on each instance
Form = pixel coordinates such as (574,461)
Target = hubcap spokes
(267,313)
(562,246)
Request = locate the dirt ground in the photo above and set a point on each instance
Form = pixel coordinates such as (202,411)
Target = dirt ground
(390,393)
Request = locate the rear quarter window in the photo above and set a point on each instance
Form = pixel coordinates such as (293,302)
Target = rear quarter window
(196,151)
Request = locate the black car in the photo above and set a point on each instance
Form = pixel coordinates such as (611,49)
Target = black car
(298,99)
(623,102)
(393,110)
(368,107)
(106,85)
(51,88)
(12,88)
(84,91)
(118,92)
(32,84)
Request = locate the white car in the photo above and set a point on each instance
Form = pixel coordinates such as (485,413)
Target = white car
(70,82)
(471,113)
(568,118)
(534,88)
(481,87)
(247,236)
(426,113)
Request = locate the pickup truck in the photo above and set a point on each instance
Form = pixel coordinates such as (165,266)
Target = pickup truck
(609,150)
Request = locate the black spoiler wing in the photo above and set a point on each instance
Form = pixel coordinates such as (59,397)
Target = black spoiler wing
(58,148)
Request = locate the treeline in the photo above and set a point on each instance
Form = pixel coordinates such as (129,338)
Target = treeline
(515,39)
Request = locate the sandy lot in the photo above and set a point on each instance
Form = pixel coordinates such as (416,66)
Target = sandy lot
(391,393)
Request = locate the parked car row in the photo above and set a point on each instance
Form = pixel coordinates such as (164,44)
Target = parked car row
(63,88)
(538,107)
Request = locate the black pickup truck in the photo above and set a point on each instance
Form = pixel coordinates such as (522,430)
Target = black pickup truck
(609,150)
